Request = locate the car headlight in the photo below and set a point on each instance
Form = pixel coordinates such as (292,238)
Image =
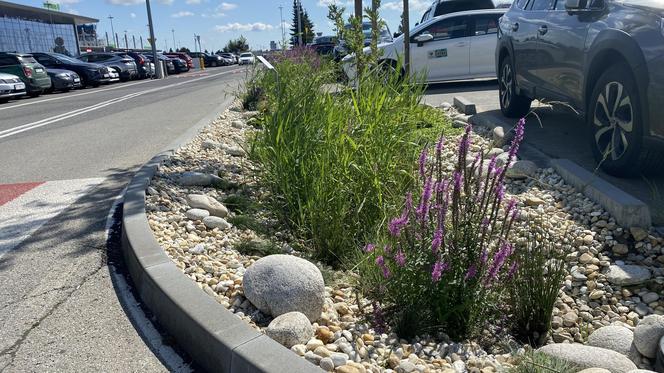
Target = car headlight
(63,75)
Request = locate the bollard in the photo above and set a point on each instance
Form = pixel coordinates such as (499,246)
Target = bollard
(202,62)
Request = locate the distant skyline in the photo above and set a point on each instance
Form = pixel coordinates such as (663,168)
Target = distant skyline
(216,21)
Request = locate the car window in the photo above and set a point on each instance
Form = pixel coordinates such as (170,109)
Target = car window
(29,59)
(450,28)
(521,4)
(486,24)
(541,5)
(425,16)
(560,5)
(7,60)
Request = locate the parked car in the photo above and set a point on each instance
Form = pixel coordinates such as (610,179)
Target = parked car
(456,46)
(442,7)
(604,58)
(143,65)
(179,64)
(183,56)
(31,72)
(63,80)
(230,57)
(10,86)
(123,64)
(247,58)
(210,60)
(168,62)
(324,45)
(341,49)
(226,60)
(91,74)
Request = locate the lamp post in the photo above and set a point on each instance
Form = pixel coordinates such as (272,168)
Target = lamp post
(126,41)
(281,17)
(160,73)
(113,30)
(299,23)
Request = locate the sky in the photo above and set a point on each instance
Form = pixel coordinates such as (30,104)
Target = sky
(216,21)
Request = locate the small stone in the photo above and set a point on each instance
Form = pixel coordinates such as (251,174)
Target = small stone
(587,239)
(237,124)
(322,351)
(201,201)
(569,319)
(650,297)
(585,258)
(596,294)
(647,335)
(521,170)
(638,233)
(197,179)
(290,329)
(197,214)
(620,249)
(210,144)
(198,249)
(314,344)
(299,349)
(216,222)
(235,151)
(626,275)
(406,366)
(326,364)
(347,369)
(339,359)
(498,137)
(534,201)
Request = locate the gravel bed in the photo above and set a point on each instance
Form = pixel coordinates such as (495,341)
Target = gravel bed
(615,275)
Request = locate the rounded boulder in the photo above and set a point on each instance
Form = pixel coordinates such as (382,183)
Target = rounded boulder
(616,338)
(278,284)
(290,329)
(647,335)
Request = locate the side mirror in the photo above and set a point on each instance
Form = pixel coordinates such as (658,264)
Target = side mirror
(423,38)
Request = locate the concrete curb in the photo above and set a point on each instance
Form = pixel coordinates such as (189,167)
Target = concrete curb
(627,209)
(216,339)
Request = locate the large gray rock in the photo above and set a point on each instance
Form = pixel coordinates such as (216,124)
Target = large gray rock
(197,214)
(626,275)
(277,284)
(290,329)
(521,170)
(213,222)
(201,201)
(617,338)
(589,357)
(197,179)
(641,371)
(647,334)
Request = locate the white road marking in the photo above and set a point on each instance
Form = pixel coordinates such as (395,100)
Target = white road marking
(96,90)
(22,216)
(57,118)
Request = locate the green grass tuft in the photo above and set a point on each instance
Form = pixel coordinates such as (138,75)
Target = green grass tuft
(537,362)
(258,247)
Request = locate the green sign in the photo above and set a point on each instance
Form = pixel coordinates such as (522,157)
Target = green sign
(51,6)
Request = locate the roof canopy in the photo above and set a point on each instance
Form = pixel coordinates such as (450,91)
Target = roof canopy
(8,9)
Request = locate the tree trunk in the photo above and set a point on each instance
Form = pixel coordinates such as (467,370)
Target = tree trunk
(358,9)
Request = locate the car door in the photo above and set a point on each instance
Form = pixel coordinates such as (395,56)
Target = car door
(562,40)
(521,27)
(483,45)
(447,55)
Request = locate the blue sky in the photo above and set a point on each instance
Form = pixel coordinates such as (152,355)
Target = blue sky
(216,21)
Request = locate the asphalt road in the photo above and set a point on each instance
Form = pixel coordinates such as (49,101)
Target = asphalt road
(64,301)
(558,134)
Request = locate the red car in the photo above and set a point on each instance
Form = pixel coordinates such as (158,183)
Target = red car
(182,56)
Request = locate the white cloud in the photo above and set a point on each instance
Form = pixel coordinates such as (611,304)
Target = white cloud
(132,15)
(181,14)
(417,5)
(125,2)
(326,3)
(165,2)
(64,2)
(191,2)
(258,26)
(226,7)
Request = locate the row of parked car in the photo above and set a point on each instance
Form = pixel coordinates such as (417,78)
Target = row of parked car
(36,73)
(224,59)
(603,58)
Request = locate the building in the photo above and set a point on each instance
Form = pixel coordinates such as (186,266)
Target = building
(273,46)
(29,29)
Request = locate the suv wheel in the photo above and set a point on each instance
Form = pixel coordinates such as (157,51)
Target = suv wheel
(615,123)
(511,104)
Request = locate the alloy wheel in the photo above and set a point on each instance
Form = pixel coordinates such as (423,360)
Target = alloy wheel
(506,85)
(613,120)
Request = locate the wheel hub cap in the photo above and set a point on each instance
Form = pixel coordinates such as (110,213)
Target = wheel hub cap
(506,86)
(613,120)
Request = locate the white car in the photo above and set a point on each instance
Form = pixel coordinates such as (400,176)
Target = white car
(455,46)
(10,86)
(247,59)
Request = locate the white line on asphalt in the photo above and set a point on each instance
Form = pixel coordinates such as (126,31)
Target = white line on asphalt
(32,102)
(57,118)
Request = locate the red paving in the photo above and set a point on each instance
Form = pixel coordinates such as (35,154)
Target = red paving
(9,192)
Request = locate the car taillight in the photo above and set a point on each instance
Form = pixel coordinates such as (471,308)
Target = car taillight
(27,71)
(141,60)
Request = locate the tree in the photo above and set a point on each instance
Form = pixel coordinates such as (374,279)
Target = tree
(184,50)
(335,14)
(238,45)
(307,26)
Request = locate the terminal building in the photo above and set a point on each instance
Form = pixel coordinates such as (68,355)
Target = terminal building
(30,29)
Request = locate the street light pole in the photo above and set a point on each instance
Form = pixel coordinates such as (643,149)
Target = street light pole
(406,37)
(126,41)
(299,23)
(281,17)
(160,73)
(174,45)
(112,29)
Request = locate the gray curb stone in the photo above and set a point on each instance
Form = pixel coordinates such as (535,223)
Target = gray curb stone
(216,340)
(464,105)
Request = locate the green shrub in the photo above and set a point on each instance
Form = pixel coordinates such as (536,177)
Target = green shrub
(240,203)
(248,222)
(336,163)
(258,247)
(534,288)
(537,362)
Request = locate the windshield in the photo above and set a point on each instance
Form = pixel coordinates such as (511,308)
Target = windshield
(366,30)
(246,55)
(648,3)
(27,59)
(65,58)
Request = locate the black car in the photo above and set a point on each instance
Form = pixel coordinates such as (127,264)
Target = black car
(604,58)
(324,45)
(179,64)
(63,80)
(123,64)
(91,74)
(210,60)
(142,64)
(168,62)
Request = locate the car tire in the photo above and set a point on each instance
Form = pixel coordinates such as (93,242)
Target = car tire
(4,100)
(512,104)
(615,125)
(34,94)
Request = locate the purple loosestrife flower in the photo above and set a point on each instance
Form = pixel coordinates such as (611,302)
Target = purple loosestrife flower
(438,269)
(500,192)
(422,162)
(464,144)
(484,257)
(518,138)
(397,224)
(379,323)
(380,261)
(439,146)
(471,273)
(512,270)
(369,248)
(458,180)
(423,209)
(437,239)
(492,165)
(498,261)
(400,258)
(409,203)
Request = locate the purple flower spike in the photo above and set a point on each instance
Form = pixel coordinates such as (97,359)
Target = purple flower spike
(387,249)
(380,261)
(518,138)
(472,272)
(484,257)
(512,270)
(437,240)
(386,272)
(439,146)
(492,165)
(369,248)
(500,192)
(400,258)
(458,180)
(422,162)
(397,224)
(423,209)
(437,271)
(499,260)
